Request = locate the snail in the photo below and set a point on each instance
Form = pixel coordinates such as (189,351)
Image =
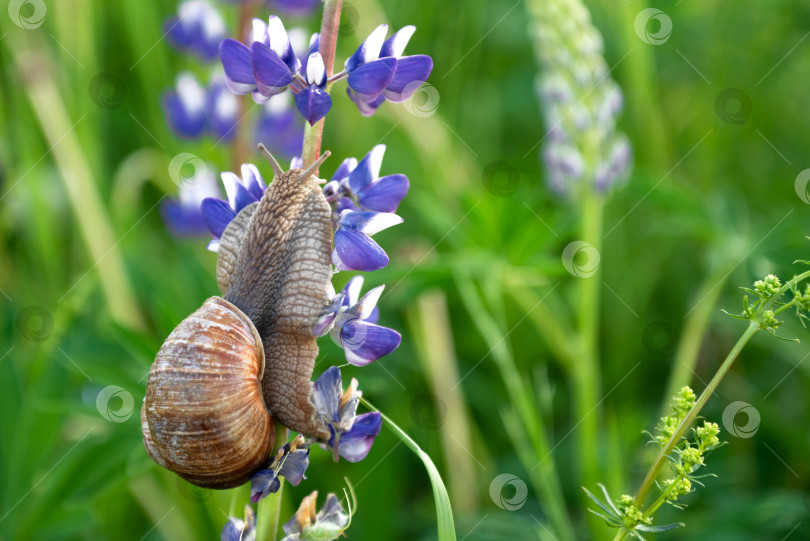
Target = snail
(245,359)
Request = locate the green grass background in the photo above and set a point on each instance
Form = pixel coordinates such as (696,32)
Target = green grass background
(710,206)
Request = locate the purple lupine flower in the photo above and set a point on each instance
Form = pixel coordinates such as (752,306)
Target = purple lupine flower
(185,107)
(272,58)
(351,435)
(369,74)
(291,461)
(198,28)
(351,322)
(221,109)
(362,183)
(241,192)
(410,71)
(313,101)
(240,530)
(354,249)
(182,215)
(328,523)
(279,127)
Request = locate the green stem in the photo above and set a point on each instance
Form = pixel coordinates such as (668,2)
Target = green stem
(586,375)
(268,512)
(313,135)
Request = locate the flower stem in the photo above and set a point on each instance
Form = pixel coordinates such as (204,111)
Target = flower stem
(586,376)
(330,23)
(268,511)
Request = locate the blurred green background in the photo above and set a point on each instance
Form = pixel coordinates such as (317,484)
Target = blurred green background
(92,282)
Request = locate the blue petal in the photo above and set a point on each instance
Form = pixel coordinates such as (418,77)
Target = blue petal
(369,80)
(294,466)
(365,342)
(326,395)
(217,214)
(271,73)
(366,108)
(243,197)
(235,57)
(182,220)
(355,444)
(185,123)
(313,103)
(346,167)
(344,203)
(385,194)
(412,71)
(253,181)
(357,251)
(262,484)
(374,317)
(368,169)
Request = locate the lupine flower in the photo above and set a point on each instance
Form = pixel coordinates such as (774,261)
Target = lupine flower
(351,435)
(183,216)
(291,461)
(240,530)
(326,525)
(369,74)
(198,28)
(351,322)
(241,192)
(583,150)
(354,248)
(375,56)
(313,101)
(185,107)
(361,183)
(192,110)
(279,128)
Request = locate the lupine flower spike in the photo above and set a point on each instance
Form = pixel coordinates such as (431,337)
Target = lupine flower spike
(198,28)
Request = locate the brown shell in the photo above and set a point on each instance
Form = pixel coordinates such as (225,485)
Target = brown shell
(280,282)
(204,416)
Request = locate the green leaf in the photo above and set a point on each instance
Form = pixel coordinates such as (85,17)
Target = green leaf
(657,529)
(602,505)
(444,512)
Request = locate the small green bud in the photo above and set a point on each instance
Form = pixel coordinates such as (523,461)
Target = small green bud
(707,436)
(684,401)
(691,457)
(768,287)
(769,321)
(680,486)
(632,517)
(626,500)
(667,427)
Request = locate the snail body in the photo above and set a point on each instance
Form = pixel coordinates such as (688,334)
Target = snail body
(239,362)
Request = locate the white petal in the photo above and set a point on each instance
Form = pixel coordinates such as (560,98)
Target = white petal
(258,31)
(383,220)
(230,180)
(375,160)
(369,301)
(373,43)
(277,35)
(400,40)
(353,288)
(190,92)
(316,71)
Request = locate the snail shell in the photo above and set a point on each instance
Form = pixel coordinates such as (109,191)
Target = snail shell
(204,416)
